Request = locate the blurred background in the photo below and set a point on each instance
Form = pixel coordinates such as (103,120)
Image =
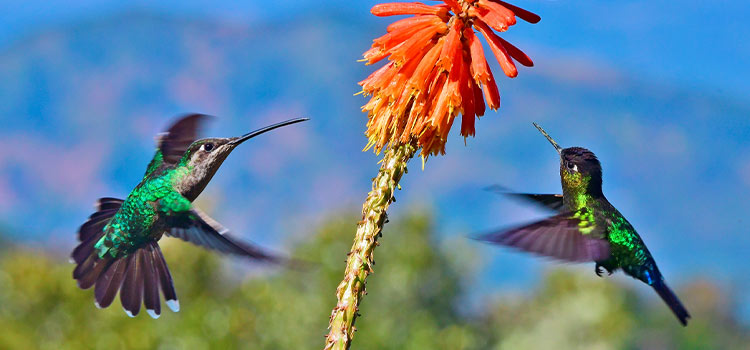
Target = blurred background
(658,90)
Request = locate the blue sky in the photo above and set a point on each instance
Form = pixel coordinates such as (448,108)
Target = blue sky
(699,43)
(656,89)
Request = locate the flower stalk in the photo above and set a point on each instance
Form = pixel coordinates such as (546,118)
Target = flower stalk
(360,261)
(436,70)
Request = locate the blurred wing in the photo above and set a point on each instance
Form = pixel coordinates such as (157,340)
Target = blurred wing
(561,236)
(202,230)
(550,201)
(173,143)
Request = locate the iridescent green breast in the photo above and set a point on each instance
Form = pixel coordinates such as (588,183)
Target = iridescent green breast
(141,217)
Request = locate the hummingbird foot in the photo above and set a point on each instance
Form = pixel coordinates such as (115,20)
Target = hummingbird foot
(598,270)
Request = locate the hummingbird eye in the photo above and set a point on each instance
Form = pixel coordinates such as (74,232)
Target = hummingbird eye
(572,166)
(208,147)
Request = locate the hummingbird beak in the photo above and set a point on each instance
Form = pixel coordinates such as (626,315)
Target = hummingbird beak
(243,138)
(549,138)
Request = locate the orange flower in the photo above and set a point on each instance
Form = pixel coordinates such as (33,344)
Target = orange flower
(437,69)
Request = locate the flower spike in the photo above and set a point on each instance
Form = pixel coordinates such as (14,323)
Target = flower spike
(437,70)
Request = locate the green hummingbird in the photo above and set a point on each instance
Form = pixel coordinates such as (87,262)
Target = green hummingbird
(119,248)
(587,228)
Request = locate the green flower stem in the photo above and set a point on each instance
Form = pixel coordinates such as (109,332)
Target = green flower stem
(360,258)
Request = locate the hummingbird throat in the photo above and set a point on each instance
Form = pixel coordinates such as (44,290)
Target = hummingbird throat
(575,189)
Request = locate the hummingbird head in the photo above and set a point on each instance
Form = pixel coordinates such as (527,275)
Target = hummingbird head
(579,167)
(204,157)
(581,161)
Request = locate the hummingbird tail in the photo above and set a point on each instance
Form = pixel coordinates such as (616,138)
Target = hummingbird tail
(138,275)
(145,273)
(672,301)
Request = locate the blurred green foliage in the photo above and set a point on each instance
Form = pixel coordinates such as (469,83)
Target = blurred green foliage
(418,301)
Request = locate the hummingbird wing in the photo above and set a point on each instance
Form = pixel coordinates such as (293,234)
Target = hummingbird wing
(93,229)
(549,201)
(200,229)
(173,143)
(564,236)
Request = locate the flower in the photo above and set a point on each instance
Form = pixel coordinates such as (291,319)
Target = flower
(436,70)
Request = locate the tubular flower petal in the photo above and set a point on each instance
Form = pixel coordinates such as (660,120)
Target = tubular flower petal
(426,66)
(453,5)
(494,14)
(498,49)
(467,97)
(516,53)
(479,68)
(478,100)
(374,55)
(452,45)
(491,93)
(437,69)
(407,8)
(412,21)
(521,13)
(415,43)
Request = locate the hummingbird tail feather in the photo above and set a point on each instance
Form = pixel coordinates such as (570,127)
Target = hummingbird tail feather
(672,301)
(146,273)
(93,229)
(88,264)
(160,278)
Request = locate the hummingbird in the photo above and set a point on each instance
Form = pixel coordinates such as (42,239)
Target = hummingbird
(118,246)
(586,227)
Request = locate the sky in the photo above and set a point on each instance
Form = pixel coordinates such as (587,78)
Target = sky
(656,89)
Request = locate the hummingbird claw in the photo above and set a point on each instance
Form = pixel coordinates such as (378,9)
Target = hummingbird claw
(598,270)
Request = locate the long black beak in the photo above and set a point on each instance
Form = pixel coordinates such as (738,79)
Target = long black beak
(549,138)
(252,134)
